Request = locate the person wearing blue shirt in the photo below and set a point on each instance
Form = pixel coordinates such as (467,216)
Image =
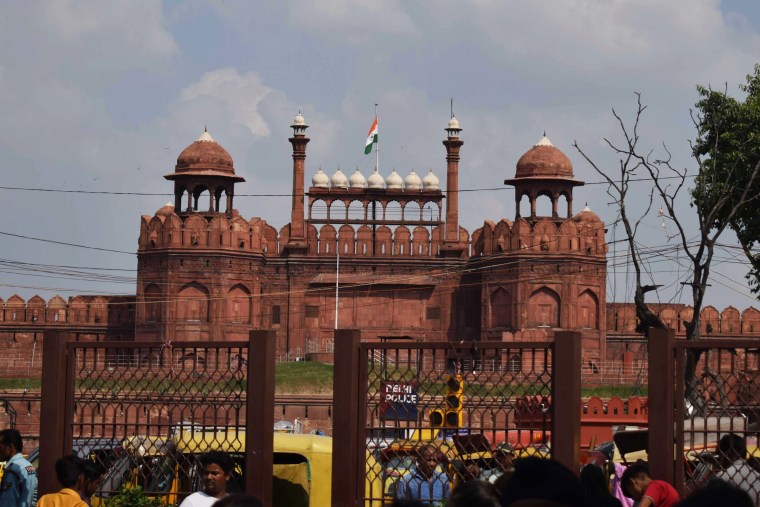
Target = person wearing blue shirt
(18,487)
(426,483)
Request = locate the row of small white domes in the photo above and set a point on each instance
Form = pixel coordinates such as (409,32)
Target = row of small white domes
(376,181)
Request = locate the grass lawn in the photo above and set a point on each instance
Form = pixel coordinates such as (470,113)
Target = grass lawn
(303,378)
(317,378)
(20,383)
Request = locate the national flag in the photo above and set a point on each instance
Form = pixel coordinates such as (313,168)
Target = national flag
(371,137)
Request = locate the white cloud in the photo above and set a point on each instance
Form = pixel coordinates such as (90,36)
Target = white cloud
(239,96)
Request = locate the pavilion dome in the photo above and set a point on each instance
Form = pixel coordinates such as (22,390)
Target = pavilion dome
(394,181)
(205,157)
(320,179)
(430,181)
(412,181)
(544,160)
(375,181)
(166,210)
(357,180)
(339,180)
(586,215)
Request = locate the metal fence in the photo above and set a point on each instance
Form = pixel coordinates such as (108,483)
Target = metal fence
(146,411)
(458,411)
(720,413)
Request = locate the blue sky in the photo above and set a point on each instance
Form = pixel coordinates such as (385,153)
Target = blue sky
(103,96)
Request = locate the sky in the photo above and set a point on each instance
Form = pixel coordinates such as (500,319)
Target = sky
(101,97)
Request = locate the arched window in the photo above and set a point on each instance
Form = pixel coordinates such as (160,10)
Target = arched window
(543,308)
(501,315)
(524,207)
(588,308)
(543,206)
(337,212)
(193,303)
(238,304)
(152,300)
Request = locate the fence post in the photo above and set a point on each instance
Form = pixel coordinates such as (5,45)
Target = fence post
(259,431)
(660,447)
(346,382)
(53,422)
(566,395)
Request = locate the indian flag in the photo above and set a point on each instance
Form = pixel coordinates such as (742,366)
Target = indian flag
(371,137)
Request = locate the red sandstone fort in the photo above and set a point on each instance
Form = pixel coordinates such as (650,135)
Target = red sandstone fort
(403,266)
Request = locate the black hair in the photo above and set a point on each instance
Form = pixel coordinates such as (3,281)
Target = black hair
(592,478)
(480,493)
(543,479)
(12,437)
(732,443)
(68,470)
(407,502)
(718,492)
(91,470)
(239,501)
(634,471)
(220,458)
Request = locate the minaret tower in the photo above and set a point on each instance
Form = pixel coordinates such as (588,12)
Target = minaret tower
(451,245)
(297,240)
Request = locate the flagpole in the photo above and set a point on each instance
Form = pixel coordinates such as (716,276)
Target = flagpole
(377,144)
(337,274)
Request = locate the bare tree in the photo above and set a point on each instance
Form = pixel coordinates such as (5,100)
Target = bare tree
(666,184)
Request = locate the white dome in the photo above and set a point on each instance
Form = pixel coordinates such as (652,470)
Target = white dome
(320,180)
(205,137)
(357,180)
(453,123)
(430,181)
(393,181)
(339,180)
(412,181)
(299,120)
(375,181)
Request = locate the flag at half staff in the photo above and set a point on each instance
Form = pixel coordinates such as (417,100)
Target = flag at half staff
(371,137)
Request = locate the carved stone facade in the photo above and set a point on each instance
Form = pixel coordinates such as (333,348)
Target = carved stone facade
(404,266)
(392,247)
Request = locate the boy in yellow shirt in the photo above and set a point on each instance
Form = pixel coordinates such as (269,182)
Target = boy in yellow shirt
(70,473)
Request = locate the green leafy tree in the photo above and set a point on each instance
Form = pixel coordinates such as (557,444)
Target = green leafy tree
(729,150)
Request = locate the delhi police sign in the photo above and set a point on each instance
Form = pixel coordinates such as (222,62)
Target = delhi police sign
(399,401)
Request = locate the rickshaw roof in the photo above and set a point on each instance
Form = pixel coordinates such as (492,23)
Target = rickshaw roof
(233,440)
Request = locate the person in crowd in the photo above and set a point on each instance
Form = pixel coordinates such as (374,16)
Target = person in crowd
(70,473)
(426,483)
(470,471)
(474,493)
(732,451)
(504,455)
(93,474)
(216,469)
(616,488)
(718,492)
(537,481)
(648,492)
(18,487)
(594,485)
(239,501)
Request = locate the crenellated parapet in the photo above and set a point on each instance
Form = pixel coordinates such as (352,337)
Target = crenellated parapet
(581,235)
(621,318)
(94,310)
(167,230)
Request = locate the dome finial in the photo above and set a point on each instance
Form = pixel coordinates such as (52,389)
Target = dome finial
(205,129)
